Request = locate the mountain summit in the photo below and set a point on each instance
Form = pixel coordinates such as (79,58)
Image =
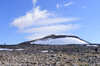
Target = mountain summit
(59,40)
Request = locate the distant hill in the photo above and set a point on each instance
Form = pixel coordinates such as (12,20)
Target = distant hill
(58,40)
(54,43)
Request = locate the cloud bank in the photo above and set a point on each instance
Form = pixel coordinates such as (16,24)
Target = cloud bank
(38,23)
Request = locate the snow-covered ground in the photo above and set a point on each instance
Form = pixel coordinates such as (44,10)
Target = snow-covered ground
(92,45)
(60,41)
(6,49)
(1,49)
(44,51)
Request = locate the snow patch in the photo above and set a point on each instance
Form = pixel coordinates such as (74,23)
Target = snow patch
(18,49)
(6,49)
(92,45)
(59,41)
(44,51)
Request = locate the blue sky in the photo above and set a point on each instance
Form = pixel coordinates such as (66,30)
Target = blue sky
(22,20)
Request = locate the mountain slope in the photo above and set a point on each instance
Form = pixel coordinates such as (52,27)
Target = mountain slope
(59,40)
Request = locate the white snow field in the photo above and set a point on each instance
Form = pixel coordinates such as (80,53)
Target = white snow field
(60,41)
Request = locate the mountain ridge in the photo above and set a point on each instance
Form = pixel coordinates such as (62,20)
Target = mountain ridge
(54,37)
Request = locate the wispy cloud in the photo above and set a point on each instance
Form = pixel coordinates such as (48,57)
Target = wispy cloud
(65,4)
(68,4)
(34,2)
(42,22)
(52,29)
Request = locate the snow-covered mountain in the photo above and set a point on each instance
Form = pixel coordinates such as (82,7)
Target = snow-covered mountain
(59,40)
(53,43)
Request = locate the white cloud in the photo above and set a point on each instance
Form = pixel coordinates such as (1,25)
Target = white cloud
(38,17)
(55,20)
(52,29)
(30,17)
(39,22)
(68,4)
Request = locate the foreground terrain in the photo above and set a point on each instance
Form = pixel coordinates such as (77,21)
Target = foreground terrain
(48,59)
(53,50)
(49,55)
